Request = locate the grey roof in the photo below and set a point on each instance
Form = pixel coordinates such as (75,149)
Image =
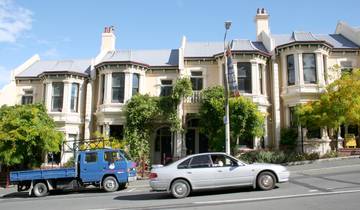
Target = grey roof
(209,49)
(336,40)
(76,66)
(168,57)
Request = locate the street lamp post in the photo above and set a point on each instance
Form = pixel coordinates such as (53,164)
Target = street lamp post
(226,118)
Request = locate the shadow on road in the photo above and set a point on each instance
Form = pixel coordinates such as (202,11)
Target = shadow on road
(53,193)
(164,195)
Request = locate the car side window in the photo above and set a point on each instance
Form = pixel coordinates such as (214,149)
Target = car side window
(219,160)
(184,164)
(91,157)
(201,161)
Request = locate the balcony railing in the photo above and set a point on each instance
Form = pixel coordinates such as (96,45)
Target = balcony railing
(195,98)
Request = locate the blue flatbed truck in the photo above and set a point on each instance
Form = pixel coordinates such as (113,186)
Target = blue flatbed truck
(108,169)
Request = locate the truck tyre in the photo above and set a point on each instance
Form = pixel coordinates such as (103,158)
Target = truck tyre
(110,184)
(40,189)
(123,186)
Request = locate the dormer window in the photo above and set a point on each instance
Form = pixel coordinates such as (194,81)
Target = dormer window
(27,98)
(309,68)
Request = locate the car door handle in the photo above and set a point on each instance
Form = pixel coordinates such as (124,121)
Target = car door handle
(188,172)
(219,171)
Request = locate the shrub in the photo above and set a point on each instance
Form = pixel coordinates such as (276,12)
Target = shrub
(331,154)
(278,157)
(70,163)
(288,138)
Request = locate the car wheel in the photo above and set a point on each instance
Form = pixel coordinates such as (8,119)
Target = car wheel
(110,184)
(266,181)
(40,189)
(180,188)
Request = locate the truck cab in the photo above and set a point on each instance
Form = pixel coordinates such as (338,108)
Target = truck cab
(95,166)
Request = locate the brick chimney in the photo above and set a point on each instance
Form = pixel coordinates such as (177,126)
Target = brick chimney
(262,22)
(108,39)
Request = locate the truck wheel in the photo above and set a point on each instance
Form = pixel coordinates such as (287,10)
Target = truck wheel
(110,184)
(40,189)
(123,186)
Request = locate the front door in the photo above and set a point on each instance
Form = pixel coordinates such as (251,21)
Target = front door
(163,145)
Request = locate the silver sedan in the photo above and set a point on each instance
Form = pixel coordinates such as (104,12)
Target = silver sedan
(214,170)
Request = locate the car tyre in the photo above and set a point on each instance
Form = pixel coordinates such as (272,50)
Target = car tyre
(40,189)
(110,184)
(266,181)
(180,188)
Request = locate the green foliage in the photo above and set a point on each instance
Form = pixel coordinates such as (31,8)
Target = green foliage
(182,89)
(27,133)
(277,157)
(338,105)
(246,121)
(144,112)
(70,163)
(288,138)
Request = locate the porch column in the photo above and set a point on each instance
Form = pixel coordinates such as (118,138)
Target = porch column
(276,105)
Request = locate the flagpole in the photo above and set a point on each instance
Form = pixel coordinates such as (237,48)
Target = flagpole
(226,118)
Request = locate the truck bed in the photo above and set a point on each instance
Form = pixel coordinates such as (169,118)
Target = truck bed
(29,175)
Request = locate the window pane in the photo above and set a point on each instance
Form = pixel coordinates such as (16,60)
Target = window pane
(135,84)
(117,131)
(26,100)
(244,77)
(91,157)
(112,156)
(260,66)
(309,67)
(197,83)
(291,69)
(57,96)
(196,73)
(202,161)
(102,88)
(74,97)
(166,82)
(184,164)
(118,86)
(166,87)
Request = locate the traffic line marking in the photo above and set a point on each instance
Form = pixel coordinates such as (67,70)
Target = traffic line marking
(275,197)
(131,190)
(313,190)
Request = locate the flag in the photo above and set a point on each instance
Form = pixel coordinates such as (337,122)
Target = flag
(233,86)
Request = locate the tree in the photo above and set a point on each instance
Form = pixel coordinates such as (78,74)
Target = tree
(246,121)
(27,133)
(339,104)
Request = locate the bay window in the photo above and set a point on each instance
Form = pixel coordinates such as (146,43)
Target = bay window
(74,97)
(118,87)
(309,68)
(244,77)
(57,96)
(290,69)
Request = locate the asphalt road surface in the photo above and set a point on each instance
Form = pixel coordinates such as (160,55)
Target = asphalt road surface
(325,185)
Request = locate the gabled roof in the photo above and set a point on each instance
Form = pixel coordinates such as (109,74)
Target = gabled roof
(337,41)
(167,57)
(72,66)
(210,49)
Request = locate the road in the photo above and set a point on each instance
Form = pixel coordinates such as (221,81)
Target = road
(325,185)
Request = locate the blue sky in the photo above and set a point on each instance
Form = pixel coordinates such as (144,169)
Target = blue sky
(70,29)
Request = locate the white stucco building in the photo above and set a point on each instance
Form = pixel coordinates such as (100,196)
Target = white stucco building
(275,71)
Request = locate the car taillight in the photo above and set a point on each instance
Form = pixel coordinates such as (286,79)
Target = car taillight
(153,175)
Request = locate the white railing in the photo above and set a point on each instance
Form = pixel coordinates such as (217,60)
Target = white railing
(195,98)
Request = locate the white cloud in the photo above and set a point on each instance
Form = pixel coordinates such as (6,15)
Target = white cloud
(14,20)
